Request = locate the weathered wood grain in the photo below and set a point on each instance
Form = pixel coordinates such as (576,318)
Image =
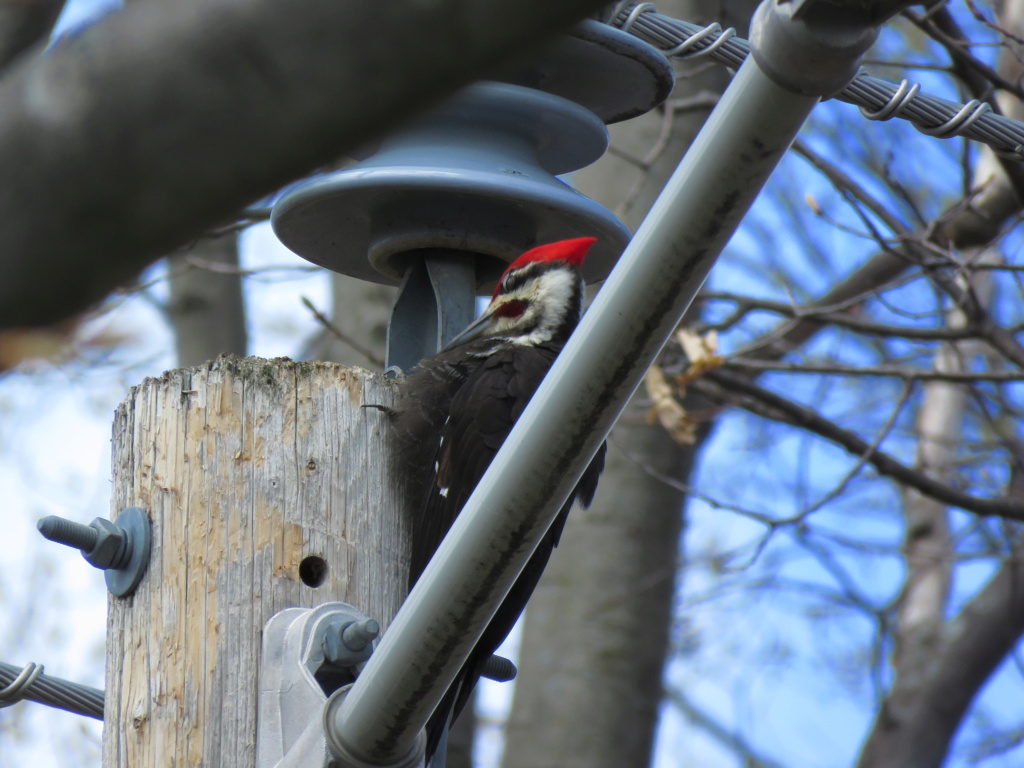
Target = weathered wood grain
(246,467)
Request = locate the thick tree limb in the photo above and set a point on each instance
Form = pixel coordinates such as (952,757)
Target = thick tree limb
(140,133)
(25,23)
(914,727)
(769,405)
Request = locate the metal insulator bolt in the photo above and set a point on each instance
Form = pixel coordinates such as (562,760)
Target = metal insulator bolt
(346,643)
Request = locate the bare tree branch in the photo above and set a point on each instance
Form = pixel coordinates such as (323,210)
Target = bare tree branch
(895,371)
(828,316)
(917,249)
(718,384)
(703,720)
(966,226)
(206,310)
(940,25)
(338,334)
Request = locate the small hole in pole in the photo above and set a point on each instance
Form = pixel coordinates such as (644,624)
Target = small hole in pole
(313,571)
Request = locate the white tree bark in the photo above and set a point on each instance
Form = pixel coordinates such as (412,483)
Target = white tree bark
(940,665)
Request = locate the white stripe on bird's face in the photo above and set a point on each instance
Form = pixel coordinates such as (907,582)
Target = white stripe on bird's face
(546,301)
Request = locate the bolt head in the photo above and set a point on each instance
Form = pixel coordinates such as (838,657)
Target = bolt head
(333,647)
(111,550)
(337,652)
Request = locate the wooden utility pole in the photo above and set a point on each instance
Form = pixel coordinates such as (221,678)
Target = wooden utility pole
(268,486)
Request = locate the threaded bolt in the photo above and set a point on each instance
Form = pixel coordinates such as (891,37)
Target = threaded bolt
(499,669)
(103,543)
(347,642)
(360,634)
(68,532)
(119,547)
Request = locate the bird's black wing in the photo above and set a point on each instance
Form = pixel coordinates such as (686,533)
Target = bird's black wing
(483,411)
(515,601)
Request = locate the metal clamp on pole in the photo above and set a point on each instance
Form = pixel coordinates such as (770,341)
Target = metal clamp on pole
(308,653)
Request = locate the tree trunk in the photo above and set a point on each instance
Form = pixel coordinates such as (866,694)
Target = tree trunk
(940,665)
(253,472)
(359,324)
(206,306)
(914,728)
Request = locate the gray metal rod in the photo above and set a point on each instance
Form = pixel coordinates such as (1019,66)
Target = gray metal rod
(436,302)
(571,414)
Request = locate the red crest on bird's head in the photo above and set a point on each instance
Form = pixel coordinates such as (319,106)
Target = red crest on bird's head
(573,251)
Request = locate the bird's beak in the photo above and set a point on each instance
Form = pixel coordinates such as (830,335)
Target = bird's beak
(473,331)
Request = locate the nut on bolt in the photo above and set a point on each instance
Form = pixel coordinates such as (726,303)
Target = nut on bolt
(347,643)
(112,548)
(120,548)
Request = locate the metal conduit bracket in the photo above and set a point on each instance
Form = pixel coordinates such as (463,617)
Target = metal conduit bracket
(811,47)
(308,653)
(441,207)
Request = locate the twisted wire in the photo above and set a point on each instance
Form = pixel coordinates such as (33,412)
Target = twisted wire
(877,99)
(30,684)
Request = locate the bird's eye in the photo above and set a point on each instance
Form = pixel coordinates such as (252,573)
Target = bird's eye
(512,309)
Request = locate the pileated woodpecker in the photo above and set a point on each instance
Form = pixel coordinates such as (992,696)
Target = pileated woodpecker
(457,407)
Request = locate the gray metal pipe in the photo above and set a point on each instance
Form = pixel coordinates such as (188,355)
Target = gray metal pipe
(620,335)
(631,319)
